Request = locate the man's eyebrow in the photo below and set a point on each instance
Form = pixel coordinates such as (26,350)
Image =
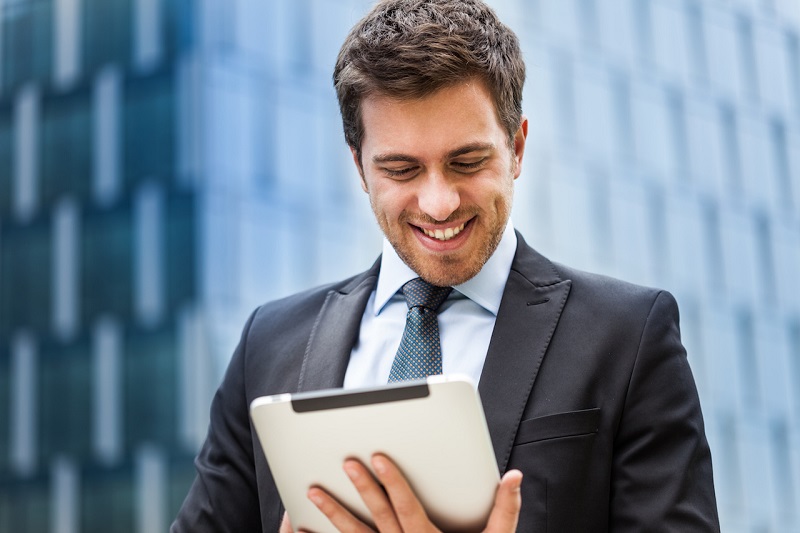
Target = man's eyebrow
(404,158)
(473,147)
(391,158)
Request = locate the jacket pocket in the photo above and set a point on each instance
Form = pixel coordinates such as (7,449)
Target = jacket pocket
(559,425)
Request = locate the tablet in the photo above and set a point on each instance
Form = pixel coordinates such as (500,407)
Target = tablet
(433,429)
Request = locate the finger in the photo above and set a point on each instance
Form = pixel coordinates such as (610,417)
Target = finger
(286,526)
(339,516)
(407,508)
(507,504)
(373,496)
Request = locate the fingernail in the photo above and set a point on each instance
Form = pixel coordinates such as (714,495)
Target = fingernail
(379,464)
(315,498)
(351,472)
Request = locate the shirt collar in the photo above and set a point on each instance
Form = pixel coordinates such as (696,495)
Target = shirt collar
(485,289)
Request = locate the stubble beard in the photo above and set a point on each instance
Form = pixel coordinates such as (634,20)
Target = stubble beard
(447,269)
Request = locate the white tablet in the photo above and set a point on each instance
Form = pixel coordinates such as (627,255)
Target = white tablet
(434,430)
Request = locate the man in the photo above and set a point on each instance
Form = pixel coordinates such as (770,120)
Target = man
(588,395)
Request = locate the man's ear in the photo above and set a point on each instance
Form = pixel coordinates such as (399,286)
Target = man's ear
(357,162)
(519,145)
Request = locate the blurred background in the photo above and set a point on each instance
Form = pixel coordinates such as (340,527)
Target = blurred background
(168,165)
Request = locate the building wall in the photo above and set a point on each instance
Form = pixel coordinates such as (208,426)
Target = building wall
(167,165)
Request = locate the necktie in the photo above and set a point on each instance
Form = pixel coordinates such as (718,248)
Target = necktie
(420,353)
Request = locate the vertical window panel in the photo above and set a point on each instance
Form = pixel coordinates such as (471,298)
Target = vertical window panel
(64,491)
(106,115)
(564,98)
(705,152)
(652,130)
(26,47)
(593,110)
(714,273)
(6,160)
(181,251)
(147,31)
(747,356)
(685,245)
(107,500)
(106,264)
(679,159)
(149,128)
(771,65)
(107,32)
(629,222)
(66,269)
(740,260)
(671,44)
(65,400)
(26,163)
(66,144)
(745,48)
(588,23)
(149,219)
(66,41)
(723,62)
(5,415)
(780,167)
(756,147)
(696,41)
(730,162)
(107,346)
(782,463)
(623,120)
(24,404)
(617,29)
(150,360)
(793,68)
(787,265)
(151,490)
(643,29)
(25,264)
(29,505)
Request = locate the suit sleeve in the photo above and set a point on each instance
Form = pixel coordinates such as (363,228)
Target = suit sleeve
(224,495)
(662,478)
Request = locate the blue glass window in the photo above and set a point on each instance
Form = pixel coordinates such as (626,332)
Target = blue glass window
(106,264)
(6,168)
(65,400)
(26,41)
(25,265)
(149,128)
(107,26)
(66,144)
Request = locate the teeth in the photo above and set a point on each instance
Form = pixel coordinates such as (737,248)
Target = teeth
(444,235)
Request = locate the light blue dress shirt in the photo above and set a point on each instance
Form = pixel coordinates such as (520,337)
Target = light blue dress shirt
(466,318)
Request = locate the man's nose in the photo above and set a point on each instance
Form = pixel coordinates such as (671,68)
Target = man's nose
(438,196)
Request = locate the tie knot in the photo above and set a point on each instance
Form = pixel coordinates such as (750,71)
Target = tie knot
(420,293)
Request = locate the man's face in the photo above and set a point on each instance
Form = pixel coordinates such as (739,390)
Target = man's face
(440,175)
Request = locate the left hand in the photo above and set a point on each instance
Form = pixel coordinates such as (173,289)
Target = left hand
(395,508)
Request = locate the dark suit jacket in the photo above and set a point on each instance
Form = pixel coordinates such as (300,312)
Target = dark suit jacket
(586,389)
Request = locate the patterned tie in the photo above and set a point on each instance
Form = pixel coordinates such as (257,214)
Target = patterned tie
(420,354)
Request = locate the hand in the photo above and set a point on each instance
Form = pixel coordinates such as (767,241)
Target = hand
(396,509)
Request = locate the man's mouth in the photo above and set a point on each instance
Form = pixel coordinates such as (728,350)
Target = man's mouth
(444,234)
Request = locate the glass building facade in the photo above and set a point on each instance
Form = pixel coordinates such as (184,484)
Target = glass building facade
(168,165)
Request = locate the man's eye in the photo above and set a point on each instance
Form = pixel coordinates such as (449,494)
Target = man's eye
(468,165)
(399,172)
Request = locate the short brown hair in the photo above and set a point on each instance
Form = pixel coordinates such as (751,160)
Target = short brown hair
(411,48)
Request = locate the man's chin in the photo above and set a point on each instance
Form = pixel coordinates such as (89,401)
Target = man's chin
(443,272)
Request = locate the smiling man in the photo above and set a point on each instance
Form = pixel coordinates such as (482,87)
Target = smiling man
(589,399)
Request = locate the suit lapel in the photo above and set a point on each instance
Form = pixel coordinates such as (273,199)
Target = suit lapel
(335,332)
(529,311)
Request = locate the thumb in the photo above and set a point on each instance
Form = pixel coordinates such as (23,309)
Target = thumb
(507,504)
